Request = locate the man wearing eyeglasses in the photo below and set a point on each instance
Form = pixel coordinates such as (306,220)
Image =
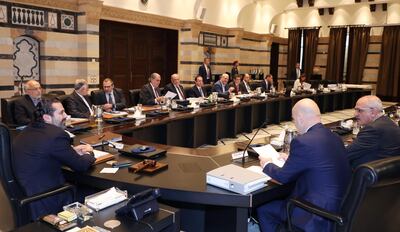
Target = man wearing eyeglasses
(379,137)
(27,105)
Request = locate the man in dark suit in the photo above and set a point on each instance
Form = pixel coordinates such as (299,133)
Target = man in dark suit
(221,86)
(318,165)
(198,89)
(40,151)
(380,136)
(111,98)
(78,103)
(245,84)
(150,94)
(267,83)
(175,87)
(235,84)
(205,71)
(26,106)
(296,72)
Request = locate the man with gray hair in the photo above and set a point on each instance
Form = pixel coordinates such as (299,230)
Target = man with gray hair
(317,164)
(221,86)
(175,87)
(379,137)
(150,93)
(27,105)
(78,103)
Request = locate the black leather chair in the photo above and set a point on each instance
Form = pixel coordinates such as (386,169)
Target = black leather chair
(134,95)
(15,194)
(372,201)
(7,110)
(56,92)
(95,97)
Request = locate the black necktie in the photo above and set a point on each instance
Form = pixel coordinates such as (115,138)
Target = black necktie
(109,99)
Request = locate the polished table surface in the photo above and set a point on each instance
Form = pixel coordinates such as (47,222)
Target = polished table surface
(183,183)
(164,220)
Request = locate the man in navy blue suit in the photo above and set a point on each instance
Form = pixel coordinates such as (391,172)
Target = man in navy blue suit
(40,151)
(380,136)
(317,164)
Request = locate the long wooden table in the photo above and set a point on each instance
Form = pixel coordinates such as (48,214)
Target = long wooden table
(183,184)
(208,125)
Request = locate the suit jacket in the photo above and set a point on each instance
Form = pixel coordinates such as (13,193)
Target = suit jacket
(318,165)
(243,89)
(293,74)
(24,110)
(234,72)
(101,99)
(377,140)
(146,95)
(264,87)
(203,73)
(171,87)
(237,88)
(37,164)
(75,106)
(217,87)
(194,92)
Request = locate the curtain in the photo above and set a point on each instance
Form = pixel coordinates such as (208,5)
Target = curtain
(336,50)
(358,50)
(388,84)
(293,50)
(310,50)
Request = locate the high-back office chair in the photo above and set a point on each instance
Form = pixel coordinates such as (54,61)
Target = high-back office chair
(56,92)
(95,97)
(18,199)
(7,110)
(372,201)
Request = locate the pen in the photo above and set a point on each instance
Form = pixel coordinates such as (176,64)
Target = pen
(102,136)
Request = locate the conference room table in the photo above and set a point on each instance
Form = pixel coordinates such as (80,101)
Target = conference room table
(183,183)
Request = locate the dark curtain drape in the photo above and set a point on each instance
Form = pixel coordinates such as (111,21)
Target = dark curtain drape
(388,84)
(358,50)
(293,50)
(310,50)
(336,50)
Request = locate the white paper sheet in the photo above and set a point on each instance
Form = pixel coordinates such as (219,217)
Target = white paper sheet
(269,152)
(109,170)
(170,94)
(98,154)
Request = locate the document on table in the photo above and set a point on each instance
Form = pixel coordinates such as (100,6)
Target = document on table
(170,94)
(269,152)
(109,170)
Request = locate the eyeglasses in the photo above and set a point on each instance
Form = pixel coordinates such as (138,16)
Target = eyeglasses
(361,110)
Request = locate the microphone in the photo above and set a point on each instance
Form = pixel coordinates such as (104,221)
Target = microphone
(251,140)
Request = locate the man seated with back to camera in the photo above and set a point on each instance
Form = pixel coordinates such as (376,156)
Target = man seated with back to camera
(317,163)
(198,89)
(150,93)
(221,86)
(25,107)
(109,97)
(379,137)
(40,151)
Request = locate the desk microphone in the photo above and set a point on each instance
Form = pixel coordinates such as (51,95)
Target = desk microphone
(251,140)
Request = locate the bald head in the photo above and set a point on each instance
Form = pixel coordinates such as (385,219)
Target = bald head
(368,109)
(305,114)
(33,89)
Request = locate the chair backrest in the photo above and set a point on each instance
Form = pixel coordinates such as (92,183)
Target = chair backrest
(134,95)
(10,185)
(56,92)
(372,201)
(7,110)
(95,97)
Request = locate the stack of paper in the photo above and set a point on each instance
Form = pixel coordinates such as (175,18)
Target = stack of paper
(268,151)
(105,198)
